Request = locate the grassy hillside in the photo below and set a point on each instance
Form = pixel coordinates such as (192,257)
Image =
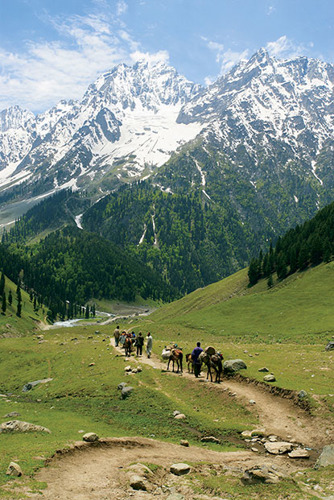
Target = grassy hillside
(296,309)
(10,324)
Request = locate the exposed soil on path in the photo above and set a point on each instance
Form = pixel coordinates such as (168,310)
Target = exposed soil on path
(99,470)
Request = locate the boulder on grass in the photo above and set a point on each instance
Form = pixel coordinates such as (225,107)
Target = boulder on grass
(126,391)
(14,470)
(19,426)
(269,378)
(234,365)
(90,437)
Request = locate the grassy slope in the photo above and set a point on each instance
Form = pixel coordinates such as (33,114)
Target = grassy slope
(10,324)
(301,305)
(284,328)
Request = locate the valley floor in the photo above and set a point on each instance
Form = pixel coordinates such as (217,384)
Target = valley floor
(100,471)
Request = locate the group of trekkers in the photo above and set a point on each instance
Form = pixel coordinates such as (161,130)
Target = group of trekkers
(127,340)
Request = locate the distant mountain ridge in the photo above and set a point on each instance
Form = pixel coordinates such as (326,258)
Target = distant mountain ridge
(134,119)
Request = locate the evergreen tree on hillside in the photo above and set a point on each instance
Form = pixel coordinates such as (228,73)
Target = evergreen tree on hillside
(4,303)
(19,300)
(2,283)
(10,297)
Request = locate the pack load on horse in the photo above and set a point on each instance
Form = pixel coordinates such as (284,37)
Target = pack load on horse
(213,361)
(175,355)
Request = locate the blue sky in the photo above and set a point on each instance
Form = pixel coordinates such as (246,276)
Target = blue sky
(53,49)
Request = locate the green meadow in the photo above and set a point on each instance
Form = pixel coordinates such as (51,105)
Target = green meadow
(285,329)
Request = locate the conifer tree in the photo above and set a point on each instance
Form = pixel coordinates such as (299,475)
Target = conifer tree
(10,297)
(19,300)
(4,303)
(2,283)
(270,282)
(87,312)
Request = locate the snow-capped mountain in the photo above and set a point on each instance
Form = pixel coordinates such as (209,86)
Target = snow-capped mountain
(265,117)
(125,123)
(265,101)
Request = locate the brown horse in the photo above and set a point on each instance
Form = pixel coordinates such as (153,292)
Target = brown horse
(190,363)
(176,355)
(128,346)
(213,362)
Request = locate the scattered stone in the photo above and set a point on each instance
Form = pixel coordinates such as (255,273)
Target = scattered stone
(128,368)
(19,426)
(90,437)
(91,364)
(97,332)
(180,469)
(210,439)
(134,370)
(138,483)
(254,449)
(14,470)
(264,369)
(258,432)
(269,378)
(27,387)
(126,391)
(327,457)
(234,365)
(299,453)
(278,448)
(246,434)
(184,442)
(180,416)
(272,439)
(330,345)
(139,369)
(261,474)
(302,395)
(121,385)
(12,414)
(176,413)
(175,496)
(252,402)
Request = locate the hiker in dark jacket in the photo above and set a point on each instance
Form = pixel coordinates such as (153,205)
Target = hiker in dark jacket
(196,362)
(139,344)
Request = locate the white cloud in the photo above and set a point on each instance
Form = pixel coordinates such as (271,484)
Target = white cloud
(48,71)
(225,58)
(285,48)
(122,7)
(159,57)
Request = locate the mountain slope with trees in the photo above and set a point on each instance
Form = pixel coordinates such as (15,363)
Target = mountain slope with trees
(306,245)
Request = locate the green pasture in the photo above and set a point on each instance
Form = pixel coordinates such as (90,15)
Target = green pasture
(85,398)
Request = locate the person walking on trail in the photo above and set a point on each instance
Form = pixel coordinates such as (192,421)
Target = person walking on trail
(196,362)
(117,334)
(149,344)
(139,344)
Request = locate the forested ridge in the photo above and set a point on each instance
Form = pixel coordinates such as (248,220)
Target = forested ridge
(70,266)
(308,244)
(190,241)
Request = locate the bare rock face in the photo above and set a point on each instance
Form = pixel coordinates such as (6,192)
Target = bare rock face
(261,474)
(180,469)
(19,426)
(14,470)
(90,437)
(278,448)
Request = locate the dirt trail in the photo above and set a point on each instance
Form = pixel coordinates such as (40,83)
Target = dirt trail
(99,471)
(277,415)
(91,472)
